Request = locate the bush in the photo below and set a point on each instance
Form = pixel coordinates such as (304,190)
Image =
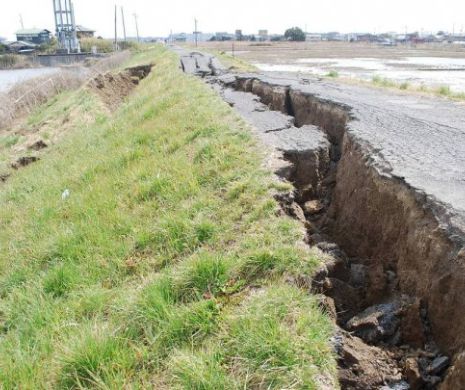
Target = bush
(102,45)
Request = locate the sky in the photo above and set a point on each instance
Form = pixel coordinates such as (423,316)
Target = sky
(158,18)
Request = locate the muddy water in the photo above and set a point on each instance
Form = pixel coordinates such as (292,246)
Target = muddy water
(429,71)
(9,78)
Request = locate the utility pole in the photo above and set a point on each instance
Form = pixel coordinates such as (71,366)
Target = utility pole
(21,21)
(124,24)
(196,33)
(137,27)
(116,28)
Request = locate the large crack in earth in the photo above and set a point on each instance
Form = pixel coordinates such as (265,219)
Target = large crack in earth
(383,241)
(384,337)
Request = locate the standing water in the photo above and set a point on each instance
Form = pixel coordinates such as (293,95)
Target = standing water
(8,78)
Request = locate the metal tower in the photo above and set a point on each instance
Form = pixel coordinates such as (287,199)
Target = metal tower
(66,26)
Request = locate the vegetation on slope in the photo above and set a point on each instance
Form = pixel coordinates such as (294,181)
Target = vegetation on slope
(166,266)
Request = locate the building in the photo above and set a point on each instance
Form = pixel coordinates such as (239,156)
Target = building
(223,36)
(21,47)
(313,37)
(34,35)
(179,37)
(262,35)
(84,32)
(239,35)
(334,36)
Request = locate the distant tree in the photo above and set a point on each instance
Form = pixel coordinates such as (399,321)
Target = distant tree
(252,38)
(295,34)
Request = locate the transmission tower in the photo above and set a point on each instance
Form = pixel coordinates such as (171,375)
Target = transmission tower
(66,26)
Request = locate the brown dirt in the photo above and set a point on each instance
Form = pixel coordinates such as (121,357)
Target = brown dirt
(114,88)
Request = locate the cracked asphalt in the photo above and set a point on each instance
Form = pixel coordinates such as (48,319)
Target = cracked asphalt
(417,139)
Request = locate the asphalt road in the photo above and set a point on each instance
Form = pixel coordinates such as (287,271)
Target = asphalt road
(418,139)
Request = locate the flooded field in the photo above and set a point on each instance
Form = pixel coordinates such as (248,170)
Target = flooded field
(10,77)
(430,71)
(429,65)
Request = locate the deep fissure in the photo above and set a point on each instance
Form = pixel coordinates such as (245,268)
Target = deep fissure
(393,258)
(362,295)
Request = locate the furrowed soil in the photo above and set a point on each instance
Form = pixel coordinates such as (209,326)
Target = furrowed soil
(144,249)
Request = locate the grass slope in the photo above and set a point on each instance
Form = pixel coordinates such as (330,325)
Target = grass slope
(166,265)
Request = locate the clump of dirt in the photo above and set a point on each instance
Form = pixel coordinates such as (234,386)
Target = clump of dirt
(24,161)
(38,145)
(113,88)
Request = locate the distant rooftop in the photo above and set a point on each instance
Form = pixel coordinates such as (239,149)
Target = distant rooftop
(32,31)
(20,43)
(80,28)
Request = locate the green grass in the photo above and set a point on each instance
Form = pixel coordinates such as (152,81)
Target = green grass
(165,267)
(7,141)
(383,82)
(235,63)
(333,74)
(443,90)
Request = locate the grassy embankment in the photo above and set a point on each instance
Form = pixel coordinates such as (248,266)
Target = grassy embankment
(166,266)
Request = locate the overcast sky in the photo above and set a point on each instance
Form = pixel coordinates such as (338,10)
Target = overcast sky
(157,18)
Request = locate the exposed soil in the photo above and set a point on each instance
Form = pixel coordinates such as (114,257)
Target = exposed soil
(383,241)
(110,87)
(113,88)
